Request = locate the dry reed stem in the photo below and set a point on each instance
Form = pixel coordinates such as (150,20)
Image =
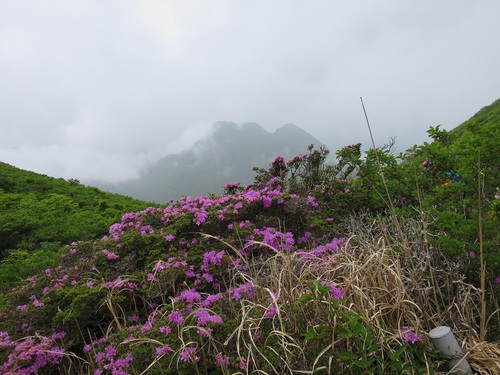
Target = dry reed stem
(112,310)
(484,356)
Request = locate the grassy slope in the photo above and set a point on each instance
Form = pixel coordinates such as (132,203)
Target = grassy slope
(481,133)
(41,213)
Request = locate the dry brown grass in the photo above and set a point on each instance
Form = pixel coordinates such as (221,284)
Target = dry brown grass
(484,357)
(390,281)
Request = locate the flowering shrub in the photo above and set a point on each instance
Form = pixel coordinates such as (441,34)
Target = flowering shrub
(30,355)
(165,287)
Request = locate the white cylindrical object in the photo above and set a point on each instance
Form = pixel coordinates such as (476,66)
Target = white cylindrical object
(442,337)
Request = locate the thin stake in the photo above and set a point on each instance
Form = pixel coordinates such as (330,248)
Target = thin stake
(391,206)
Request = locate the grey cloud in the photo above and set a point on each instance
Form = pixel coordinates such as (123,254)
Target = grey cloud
(123,83)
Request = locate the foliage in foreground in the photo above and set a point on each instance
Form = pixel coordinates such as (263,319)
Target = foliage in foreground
(161,293)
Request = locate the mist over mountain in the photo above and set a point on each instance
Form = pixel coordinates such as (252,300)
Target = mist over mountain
(227,155)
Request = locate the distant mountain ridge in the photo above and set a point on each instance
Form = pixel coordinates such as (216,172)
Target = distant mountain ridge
(228,155)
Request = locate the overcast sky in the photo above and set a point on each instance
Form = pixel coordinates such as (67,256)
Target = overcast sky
(93,89)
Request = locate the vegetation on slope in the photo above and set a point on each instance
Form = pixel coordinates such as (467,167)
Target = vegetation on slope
(41,213)
(315,268)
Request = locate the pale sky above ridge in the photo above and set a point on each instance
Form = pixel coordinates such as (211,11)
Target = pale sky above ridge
(95,90)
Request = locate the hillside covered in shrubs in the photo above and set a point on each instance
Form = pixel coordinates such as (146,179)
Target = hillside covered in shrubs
(313,268)
(39,214)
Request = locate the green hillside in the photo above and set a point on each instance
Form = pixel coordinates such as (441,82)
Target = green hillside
(481,133)
(489,116)
(41,213)
(312,269)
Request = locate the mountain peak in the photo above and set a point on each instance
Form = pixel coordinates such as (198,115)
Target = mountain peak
(290,126)
(227,155)
(291,130)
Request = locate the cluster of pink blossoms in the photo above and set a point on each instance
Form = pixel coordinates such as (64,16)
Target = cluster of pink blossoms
(31,354)
(410,336)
